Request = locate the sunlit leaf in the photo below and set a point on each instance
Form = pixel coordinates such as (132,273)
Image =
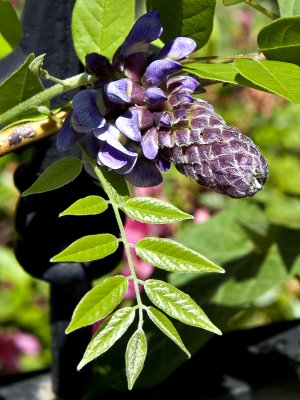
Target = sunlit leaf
(58,174)
(101,26)
(90,205)
(88,248)
(289,7)
(108,333)
(154,211)
(280,40)
(216,72)
(10,28)
(136,352)
(178,305)
(98,302)
(173,256)
(191,18)
(166,326)
(278,77)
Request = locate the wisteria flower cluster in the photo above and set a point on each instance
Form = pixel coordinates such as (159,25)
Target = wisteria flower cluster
(141,115)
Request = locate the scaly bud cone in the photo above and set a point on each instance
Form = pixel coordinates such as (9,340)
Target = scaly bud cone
(215,155)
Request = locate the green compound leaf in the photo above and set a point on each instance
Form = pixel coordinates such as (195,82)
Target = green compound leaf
(191,18)
(59,174)
(280,40)
(136,352)
(173,256)
(178,305)
(101,26)
(153,211)
(88,248)
(166,326)
(19,86)
(98,302)
(10,28)
(275,76)
(106,336)
(90,205)
(289,7)
(215,72)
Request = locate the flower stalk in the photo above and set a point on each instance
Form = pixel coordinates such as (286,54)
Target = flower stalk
(47,94)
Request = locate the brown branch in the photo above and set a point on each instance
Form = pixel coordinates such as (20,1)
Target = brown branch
(22,135)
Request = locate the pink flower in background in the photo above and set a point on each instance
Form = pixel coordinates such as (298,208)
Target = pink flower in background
(12,346)
(201,215)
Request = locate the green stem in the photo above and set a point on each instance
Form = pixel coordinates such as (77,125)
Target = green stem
(47,94)
(249,56)
(263,10)
(127,246)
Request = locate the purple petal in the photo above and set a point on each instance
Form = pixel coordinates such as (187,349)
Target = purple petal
(67,136)
(181,99)
(144,174)
(149,143)
(155,95)
(99,65)
(178,48)
(179,83)
(136,93)
(76,125)
(128,124)
(135,65)
(115,159)
(116,91)
(163,164)
(110,134)
(146,29)
(85,106)
(165,119)
(159,69)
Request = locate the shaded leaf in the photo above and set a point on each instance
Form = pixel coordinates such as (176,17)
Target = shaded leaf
(10,28)
(276,76)
(136,352)
(154,211)
(19,86)
(59,174)
(289,7)
(280,40)
(231,2)
(88,248)
(115,186)
(178,305)
(98,302)
(173,256)
(191,18)
(90,205)
(166,326)
(108,333)
(100,26)
(216,72)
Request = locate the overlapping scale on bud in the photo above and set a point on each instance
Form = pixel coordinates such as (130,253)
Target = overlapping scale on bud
(200,144)
(141,115)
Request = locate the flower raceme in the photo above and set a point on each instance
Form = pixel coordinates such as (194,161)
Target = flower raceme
(141,115)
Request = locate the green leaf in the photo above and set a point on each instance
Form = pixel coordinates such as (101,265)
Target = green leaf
(277,77)
(88,248)
(98,302)
(280,40)
(231,2)
(19,86)
(90,205)
(10,28)
(115,186)
(216,72)
(172,256)
(153,211)
(101,26)
(59,174)
(136,352)
(191,18)
(178,305)
(166,326)
(289,7)
(108,333)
